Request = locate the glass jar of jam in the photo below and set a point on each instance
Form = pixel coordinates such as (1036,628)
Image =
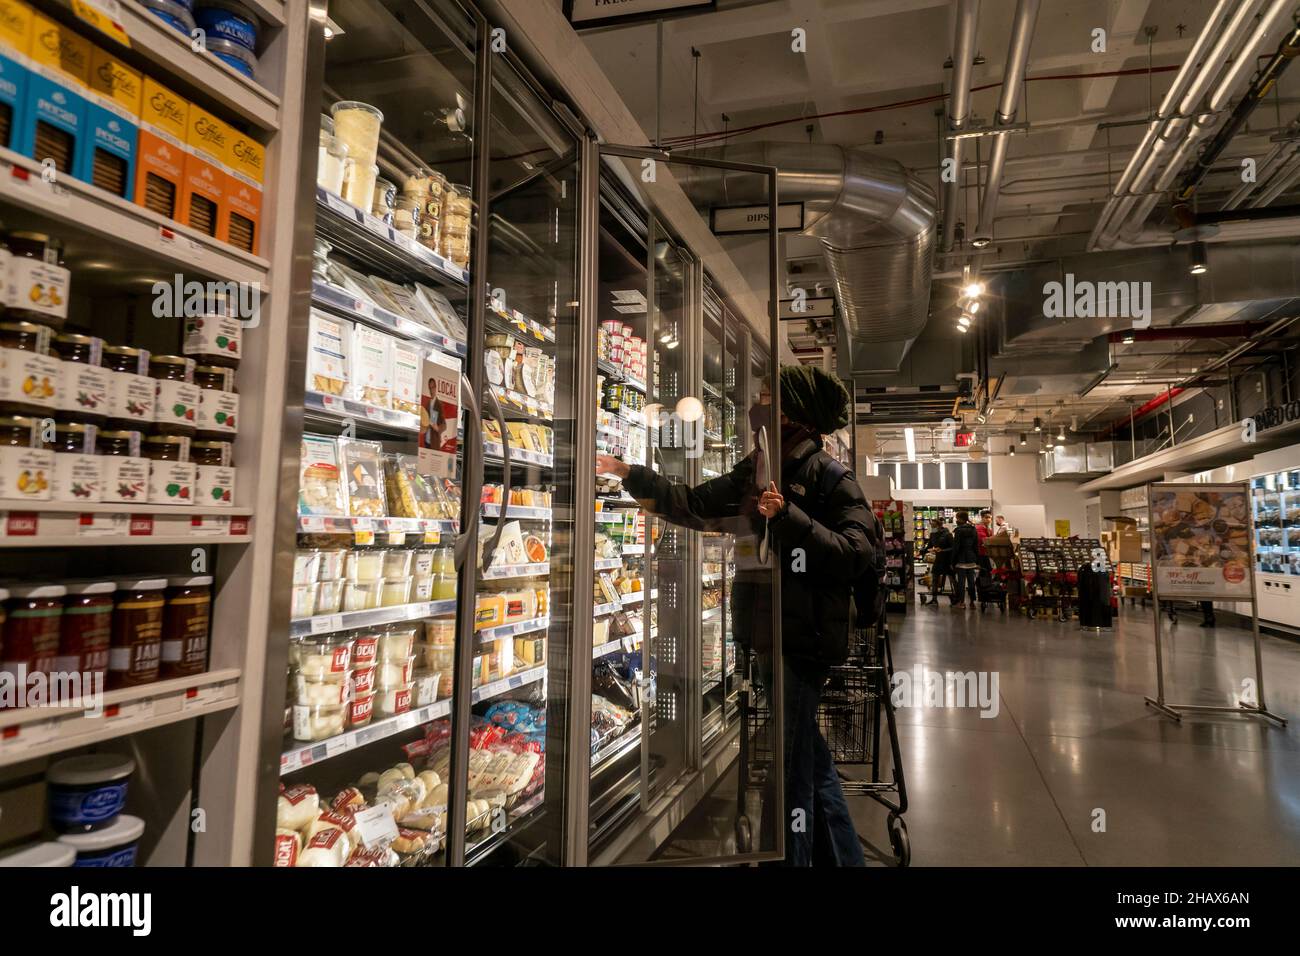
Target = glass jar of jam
(171,475)
(29,376)
(176,397)
(216,453)
(187,620)
(214,338)
(126,471)
(78,472)
(25,465)
(215,478)
(38,284)
(131,390)
(136,649)
(31,642)
(83,383)
(86,628)
(218,403)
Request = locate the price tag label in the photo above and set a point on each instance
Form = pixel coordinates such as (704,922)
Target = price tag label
(376,226)
(196,697)
(104,15)
(376,826)
(326,624)
(312,524)
(365,538)
(341,206)
(141,526)
(202,526)
(337,745)
(361,524)
(433,537)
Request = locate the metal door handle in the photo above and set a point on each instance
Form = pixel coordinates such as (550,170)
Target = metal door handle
(495,408)
(471,496)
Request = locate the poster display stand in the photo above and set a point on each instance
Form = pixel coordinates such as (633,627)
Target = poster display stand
(1202,538)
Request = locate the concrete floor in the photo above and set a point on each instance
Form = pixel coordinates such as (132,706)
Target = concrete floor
(1072,737)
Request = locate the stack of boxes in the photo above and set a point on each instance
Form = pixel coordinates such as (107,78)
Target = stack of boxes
(98,120)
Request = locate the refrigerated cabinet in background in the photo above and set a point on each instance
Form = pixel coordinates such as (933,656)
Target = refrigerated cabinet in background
(1276,505)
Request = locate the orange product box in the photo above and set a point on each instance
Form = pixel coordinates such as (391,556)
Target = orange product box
(242,223)
(205,185)
(160,163)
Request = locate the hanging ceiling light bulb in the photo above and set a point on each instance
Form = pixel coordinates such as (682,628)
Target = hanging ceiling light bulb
(973,289)
(964,321)
(1022,438)
(1012,450)
(1038,424)
(1060,434)
(1198,266)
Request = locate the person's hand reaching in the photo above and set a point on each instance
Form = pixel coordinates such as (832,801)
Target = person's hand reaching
(771,503)
(609,465)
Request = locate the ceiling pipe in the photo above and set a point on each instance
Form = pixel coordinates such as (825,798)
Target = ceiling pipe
(1120,201)
(1022,36)
(963,56)
(1224,90)
(1180,332)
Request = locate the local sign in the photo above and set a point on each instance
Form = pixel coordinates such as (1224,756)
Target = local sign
(737,220)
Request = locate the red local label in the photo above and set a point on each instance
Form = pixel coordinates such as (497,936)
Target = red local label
(239,526)
(21,524)
(141,526)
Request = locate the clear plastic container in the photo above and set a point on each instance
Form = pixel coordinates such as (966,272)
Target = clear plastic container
(329,596)
(357,126)
(397,642)
(439,657)
(422,565)
(322,658)
(303,601)
(362,595)
(422,589)
(359,184)
(88,792)
(317,693)
(365,565)
(394,673)
(397,563)
(393,701)
(397,591)
(384,198)
(331,564)
(365,649)
(318,723)
(361,710)
(363,681)
(113,846)
(306,567)
(331,164)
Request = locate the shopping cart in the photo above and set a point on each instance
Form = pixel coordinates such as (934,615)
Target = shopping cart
(756,757)
(855,697)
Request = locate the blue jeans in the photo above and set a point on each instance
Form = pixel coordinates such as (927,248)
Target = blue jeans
(964,581)
(818,826)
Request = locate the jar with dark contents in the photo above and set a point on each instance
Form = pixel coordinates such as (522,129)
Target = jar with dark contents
(131,395)
(86,628)
(31,637)
(29,376)
(78,471)
(187,621)
(26,466)
(126,470)
(136,649)
(218,403)
(171,474)
(215,479)
(39,285)
(83,384)
(214,338)
(176,397)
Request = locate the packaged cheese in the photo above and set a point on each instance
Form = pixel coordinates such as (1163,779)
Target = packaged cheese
(369,372)
(408,360)
(328,341)
(362,473)
(320,491)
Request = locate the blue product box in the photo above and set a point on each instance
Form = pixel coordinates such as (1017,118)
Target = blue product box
(115,135)
(13,96)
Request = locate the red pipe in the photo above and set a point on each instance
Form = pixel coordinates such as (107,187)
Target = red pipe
(1156,402)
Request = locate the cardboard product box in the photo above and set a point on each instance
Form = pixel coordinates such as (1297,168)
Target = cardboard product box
(205,187)
(112,125)
(54,121)
(160,149)
(16,20)
(241,226)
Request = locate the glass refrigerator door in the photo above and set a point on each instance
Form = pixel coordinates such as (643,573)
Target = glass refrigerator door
(697,514)
(369,681)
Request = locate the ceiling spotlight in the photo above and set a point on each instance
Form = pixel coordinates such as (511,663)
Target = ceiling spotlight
(1128,338)
(979,242)
(964,321)
(973,290)
(1199,265)
(973,306)
(1038,424)
(1022,438)
(1012,450)
(1060,435)
(962,329)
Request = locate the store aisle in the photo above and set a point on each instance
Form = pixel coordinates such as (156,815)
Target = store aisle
(1071,737)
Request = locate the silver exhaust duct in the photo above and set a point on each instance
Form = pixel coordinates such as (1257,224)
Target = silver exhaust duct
(1022,36)
(963,56)
(876,221)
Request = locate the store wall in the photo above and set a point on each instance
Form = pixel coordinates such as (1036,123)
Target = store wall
(1016,487)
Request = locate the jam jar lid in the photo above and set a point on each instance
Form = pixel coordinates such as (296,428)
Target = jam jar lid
(75,427)
(165,439)
(141,584)
(17,325)
(170,360)
(75,338)
(32,241)
(123,349)
(91,586)
(38,591)
(124,434)
(190,581)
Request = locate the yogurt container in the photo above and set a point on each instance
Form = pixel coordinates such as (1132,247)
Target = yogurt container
(41,855)
(111,846)
(171,13)
(227,20)
(87,793)
(235,55)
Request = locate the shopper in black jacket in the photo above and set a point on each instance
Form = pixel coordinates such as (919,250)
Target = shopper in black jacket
(965,560)
(823,543)
(938,547)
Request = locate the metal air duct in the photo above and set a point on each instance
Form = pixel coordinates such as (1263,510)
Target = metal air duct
(963,55)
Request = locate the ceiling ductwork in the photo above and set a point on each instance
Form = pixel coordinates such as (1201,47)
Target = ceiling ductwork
(876,222)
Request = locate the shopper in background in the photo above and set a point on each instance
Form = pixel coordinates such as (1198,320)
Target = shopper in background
(985,528)
(1000,525)
(965,560)
(938,547)
(834,533)
(1207,614)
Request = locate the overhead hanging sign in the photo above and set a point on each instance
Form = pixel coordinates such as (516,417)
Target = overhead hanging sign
(812,307)
(599,13)
(1200,541)
(739,220)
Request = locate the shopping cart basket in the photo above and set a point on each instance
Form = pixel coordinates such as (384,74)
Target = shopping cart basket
(849,718)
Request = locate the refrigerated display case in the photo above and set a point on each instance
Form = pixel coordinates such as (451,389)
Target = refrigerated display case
(1276,505)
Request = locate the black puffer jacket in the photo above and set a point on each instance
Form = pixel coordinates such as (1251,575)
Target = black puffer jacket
(966,545)
(816,587)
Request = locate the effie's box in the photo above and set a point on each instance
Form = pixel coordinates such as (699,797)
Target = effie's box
(112,124)
(161,151)
(15,42)
(243,218)
(205,184)
(53,126)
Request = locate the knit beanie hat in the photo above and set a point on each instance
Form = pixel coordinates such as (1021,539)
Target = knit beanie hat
(814,398)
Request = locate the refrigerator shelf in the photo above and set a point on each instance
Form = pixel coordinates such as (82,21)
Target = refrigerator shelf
(510,630)
(323,524)
(513,401)
(506,684)
(517,511)
(493,453)
(609,608)
(606,517)
(608,564)
(343,303)
(344,410)
(514,321)
(374,242)
(307,755)
(347,620)
(505,572)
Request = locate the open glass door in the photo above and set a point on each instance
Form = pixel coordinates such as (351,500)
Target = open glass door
(671,780)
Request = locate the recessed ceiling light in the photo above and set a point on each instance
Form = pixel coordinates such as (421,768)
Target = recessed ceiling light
(973,289)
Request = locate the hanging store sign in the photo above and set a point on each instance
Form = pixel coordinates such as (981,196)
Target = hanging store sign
(1200,541)
(439,415)
(812,307)
(598,13)
(740,220)
(1275,416)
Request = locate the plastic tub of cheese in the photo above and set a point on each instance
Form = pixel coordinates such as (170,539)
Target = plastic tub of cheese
(331,564)
(303,603)
(41,855)
(396,642)
(394,673)
(392,701)
(321,659)
(362,595)
(111,846)
(397,562)
(306,567)
(396,591)
(227,20)
(329,596)
(365,565)
(173,14)
(235,55)
(313,723)
(88,792)
(311,693)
